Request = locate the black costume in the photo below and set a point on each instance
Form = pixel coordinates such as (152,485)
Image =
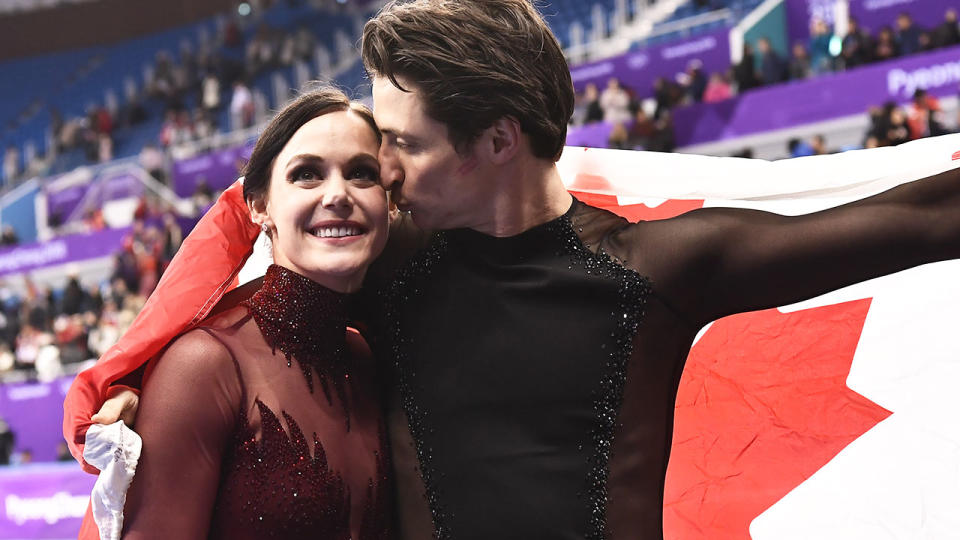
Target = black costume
(536,407)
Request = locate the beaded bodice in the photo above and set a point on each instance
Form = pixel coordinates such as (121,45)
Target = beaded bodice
(301,464)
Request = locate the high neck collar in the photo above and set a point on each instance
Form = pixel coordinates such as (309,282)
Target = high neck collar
(306,321)
(539,237)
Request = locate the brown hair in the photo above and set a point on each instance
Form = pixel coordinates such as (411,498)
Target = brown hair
(474,62)
(307,106)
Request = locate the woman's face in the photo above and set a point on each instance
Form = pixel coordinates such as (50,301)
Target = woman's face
(325,208)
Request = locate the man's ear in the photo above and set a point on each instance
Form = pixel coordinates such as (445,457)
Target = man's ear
(505,137)
(258,211)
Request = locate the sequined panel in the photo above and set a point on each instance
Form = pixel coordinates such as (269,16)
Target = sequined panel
(285,492)
(305,321)
(404,286)
(634,290)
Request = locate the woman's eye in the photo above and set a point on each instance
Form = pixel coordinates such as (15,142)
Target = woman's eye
(368,174)
(305,174)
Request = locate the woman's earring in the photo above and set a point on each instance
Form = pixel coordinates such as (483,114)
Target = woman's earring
(264,228)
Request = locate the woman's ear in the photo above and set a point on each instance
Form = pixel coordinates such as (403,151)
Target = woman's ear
(258,212)
(393,212)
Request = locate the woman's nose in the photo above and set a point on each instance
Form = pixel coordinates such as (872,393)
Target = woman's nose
(335,194)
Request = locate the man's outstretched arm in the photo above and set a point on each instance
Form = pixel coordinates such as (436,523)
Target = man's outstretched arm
(718,261)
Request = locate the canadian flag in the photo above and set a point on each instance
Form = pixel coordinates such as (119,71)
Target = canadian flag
(835,418)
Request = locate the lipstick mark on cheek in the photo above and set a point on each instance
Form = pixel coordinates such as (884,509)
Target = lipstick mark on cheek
(468,166)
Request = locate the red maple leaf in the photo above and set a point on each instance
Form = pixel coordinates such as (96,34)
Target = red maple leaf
(762,405)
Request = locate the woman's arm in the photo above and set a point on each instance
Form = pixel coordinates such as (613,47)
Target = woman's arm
(187,416)
(199,275)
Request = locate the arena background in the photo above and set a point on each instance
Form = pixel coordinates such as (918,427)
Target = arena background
(123,119)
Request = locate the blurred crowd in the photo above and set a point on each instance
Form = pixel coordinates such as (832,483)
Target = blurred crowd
(188,90)
(648,124)
(45,331)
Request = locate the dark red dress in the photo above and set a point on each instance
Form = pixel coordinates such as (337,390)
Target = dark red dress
(264,423)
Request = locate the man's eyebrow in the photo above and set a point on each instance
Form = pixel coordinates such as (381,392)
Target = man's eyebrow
(396,133)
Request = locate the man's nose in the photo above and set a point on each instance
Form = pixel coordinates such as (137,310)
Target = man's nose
(391,173)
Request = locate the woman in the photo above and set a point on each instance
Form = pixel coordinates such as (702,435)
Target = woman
(286,438)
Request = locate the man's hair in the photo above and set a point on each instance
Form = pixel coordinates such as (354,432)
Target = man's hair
(474,62)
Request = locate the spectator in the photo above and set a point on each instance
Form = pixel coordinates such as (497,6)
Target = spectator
(63,452)
(619,138)
(819,145)
(642,130)
(857,46)
(897,132)
(615,102)
(718,89)
(9,236)
(241,106)
(745,73)
(592,97)
(663,139)
(202,125)
(11,164)
(799,148)
(152,159)
(93,220)
(772,68)
(7,440)
(948,33)
(923,116)
(176,129)
(74,297)
(210,93)
(104,148)
(819,58)
(908,35)
(696,81)
(800,67)
(667,95)
(886,46)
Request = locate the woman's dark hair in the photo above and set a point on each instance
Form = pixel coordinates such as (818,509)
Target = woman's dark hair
(305,107)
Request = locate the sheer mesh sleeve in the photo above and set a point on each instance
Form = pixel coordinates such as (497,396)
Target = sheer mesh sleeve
(188,412)
(718,261)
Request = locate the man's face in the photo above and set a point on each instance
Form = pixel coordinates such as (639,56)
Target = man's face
(441,188)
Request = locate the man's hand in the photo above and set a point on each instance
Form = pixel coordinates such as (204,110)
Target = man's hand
(121,404)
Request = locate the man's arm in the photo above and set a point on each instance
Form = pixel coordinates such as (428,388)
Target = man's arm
(719,261)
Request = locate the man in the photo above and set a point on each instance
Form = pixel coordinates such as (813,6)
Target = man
(857,45)
(536,343)
(908,35)
(772,68)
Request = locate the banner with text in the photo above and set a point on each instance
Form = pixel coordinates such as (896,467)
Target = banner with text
(639,69)
(824,98)
(44,501)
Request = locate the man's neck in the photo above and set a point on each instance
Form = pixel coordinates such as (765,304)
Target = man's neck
(525,198)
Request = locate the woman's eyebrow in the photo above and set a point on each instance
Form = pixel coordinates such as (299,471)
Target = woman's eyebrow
(305,157)
(364,156)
